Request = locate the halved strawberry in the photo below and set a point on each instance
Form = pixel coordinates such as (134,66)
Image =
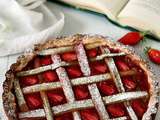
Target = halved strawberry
(107,88)
(89,114)
(74,71)
(56,97)
(29,80)
(69,56)
(46,60)
(122,65)
(116,110)
(138,107)
(81,92)
(92,52)
(98,67)
(65,116)
(129,83)
(50,76)
(34,101)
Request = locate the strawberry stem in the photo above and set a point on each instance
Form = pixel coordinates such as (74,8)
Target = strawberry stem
(144,33)
(146,49)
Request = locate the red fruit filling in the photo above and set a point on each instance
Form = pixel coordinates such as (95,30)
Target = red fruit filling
(81,92)
(107,88)
(69,56)
(116,110)
(50,76)
(46,60)
(34,100)
(89,114)
(74,71)
(29,80)
(65,116)
(129,83)
(56,97)
(98,67)
(92,53)
(139,107)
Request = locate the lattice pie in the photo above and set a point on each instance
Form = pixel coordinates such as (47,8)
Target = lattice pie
(80,77)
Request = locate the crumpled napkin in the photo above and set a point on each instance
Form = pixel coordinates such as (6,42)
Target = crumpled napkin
(24,23)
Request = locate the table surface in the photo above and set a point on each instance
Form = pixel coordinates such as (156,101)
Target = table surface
(77,21)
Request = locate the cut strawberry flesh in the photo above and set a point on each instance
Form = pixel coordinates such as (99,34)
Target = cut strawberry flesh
(74,71)
(116,110)
(139,107)
(46,60)
(89,114)
(98,67)
(92,53)
(29,80)
(107,88)
(65,116)
(69,56)
(81,92)
(122,66)
(56,97)
(129,83)
(34,101)
(50,76)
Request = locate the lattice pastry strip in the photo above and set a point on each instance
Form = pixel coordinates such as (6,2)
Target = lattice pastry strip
(117,79)
(46,105)
(75,81)
(99,105)
(66,85)
(20,98)
(88,103)
(84,65)
(63,64)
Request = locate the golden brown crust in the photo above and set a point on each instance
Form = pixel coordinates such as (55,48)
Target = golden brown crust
(8,96)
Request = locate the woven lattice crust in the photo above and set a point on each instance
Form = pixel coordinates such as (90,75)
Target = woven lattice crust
(9,102)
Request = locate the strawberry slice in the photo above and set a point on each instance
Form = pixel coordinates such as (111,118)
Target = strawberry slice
(139,107)
(65,116)
(74,71)
(89,114)
(81,92)
(92,52)
(50,76)
(29,80)
(116,110)
(98,67)
(69,56)
(129,84)
(46,60)
(107,88)
(132,38)
(122,65)
(34,101)
(56,97)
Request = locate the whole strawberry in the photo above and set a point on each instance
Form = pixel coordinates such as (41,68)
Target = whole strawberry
(132,38)
(154,55)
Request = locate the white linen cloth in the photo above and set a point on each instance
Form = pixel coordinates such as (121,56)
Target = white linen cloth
(26,22)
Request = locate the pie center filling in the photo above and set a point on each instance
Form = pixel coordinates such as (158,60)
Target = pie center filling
(60,86)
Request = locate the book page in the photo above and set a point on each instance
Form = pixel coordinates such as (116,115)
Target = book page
(109,7)
(142,14)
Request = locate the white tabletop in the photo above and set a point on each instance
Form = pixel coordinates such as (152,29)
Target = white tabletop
(77,21)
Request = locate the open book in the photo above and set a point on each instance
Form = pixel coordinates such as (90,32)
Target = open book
(143,15)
